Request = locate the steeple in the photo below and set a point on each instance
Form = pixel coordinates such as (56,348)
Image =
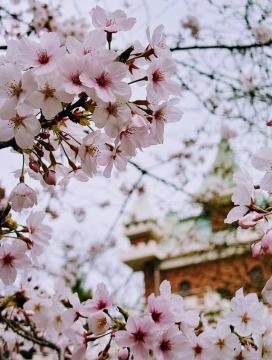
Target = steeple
(216,190)
(142,225)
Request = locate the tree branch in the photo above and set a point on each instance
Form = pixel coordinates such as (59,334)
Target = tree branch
(19,330)
(238,47)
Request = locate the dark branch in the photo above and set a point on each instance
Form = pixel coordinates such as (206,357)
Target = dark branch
(238,47)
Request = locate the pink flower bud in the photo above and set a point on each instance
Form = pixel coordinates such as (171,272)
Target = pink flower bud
(98,323)
(249,220)
(269,122)
(50,177)
(267,243)
(123,354)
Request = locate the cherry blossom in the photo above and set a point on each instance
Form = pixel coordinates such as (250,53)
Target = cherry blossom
(169,345)
(71,68)
(101,300)
(242,197)
(93,44)
(49,96)
(157,41)
(140,335)
(111,21)
(113,117)
(160,86)
(98,323)
(39,233)
(22,197)
(105,80)
(21,124)
(247,314)
(42,56)
(115,157)
(12,257)
(91,152)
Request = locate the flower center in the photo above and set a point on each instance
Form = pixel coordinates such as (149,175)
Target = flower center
(112,109)
(198,349)
(220,343)
(245,318)
(156,316)
(75,79)
(101,305)
(17,120)
(139,336)
(47,91)
(8,259)
(15,89)
(92,150)
(43,57)
(165,345)
(103,80)
(157,76)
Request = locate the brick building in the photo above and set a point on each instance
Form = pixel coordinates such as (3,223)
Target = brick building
(197,253)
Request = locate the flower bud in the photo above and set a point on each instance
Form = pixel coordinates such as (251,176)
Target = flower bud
(50,177)
(98,323)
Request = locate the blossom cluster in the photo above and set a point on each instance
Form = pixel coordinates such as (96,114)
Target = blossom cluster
(98,328)
(71,110)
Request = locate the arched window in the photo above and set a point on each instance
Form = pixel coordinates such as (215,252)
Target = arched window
(185,288)
(256,277)
(224,293)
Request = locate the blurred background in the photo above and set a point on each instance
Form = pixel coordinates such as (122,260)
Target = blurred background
(164,217)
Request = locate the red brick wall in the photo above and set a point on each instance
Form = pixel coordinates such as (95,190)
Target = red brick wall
(229,274)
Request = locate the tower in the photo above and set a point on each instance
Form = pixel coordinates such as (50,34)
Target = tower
(198,253)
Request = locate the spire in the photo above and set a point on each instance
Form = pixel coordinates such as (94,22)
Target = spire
(142,209)
(142,226)
(219,181)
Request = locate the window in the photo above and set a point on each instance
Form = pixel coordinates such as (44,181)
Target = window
(256,277)
(185,288)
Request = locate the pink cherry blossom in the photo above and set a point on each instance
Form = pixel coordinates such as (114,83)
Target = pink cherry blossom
(92,151)
(15,87)
(140,336)
(93,44)
(264,246)
(247,314)
(169,345)
(22,197)
(101,300)
(160,85)
(160,311)
(111,21)
(249,220)
(49,96)
(223,343)
(105,80)
(242,197)
(262,161)
(136,135)
(116,158)
(165,112)
(157,41)
(12,257)
(39,233)
(20,124)
(71,68)
(42,56)
(113,117)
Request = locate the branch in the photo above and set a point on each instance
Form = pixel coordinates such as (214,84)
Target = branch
(158,178)
(19,330)
(238,47)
